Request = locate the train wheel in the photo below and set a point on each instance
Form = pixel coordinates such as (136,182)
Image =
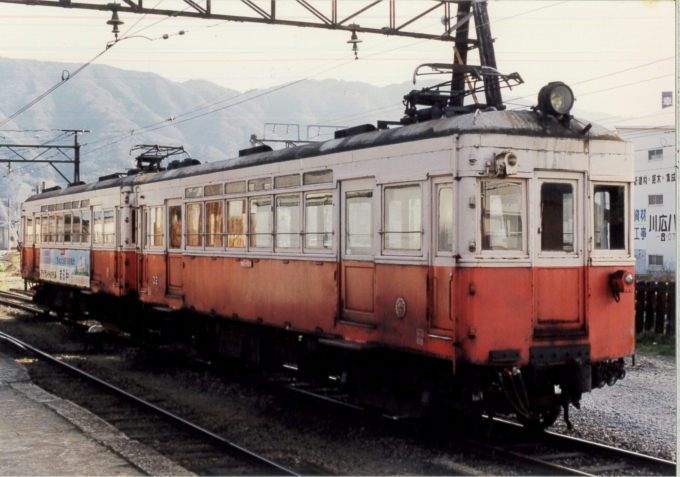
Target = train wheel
(545,419)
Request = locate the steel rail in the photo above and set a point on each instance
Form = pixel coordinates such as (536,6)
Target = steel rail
(149,405)
(664,465)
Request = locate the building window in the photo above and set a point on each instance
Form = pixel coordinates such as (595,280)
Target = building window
(655,154)
(502,207)
(656,199)
(656,260)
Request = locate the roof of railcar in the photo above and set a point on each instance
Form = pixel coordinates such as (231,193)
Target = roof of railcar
(518,123)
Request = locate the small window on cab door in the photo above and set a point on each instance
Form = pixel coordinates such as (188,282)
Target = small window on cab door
(609,217)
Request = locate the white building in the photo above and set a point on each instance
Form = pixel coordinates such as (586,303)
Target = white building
(654,213)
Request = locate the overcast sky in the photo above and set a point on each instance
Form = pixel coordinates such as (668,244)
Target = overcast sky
(572,41)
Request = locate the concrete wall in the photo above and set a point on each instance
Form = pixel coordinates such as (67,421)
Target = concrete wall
(654,223)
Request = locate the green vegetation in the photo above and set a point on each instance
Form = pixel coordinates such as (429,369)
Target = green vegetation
(649,342)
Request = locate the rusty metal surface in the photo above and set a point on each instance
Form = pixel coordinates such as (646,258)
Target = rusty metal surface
(516,123)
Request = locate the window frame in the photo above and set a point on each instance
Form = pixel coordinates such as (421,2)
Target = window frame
(625,252)
(438,186)
(575,182)
(167,233)
(523,252)
(246,223)
(201,225)
(303,225)
(222,234)
(113,241)
(272,229)
(389,252)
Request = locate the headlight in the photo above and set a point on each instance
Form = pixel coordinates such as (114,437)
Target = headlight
(556,98)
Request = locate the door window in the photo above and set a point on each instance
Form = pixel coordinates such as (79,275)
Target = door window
(445,220)
(175,219)
(359,223)
(610,217)
(557,217)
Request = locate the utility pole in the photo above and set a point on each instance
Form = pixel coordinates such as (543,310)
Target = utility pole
(76,151)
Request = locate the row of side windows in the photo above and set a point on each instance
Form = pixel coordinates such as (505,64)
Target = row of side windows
(72,227)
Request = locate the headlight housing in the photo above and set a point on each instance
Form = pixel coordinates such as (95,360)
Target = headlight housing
(556,99)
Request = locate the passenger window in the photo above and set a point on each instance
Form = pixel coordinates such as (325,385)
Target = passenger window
(53,229)
(236,223)
(319,220)
(60,228)
(403,223)
(610,217)
(85,238)
(109,227)
(67,227)
(557,217)
(359,223)
(445,220)
(261,222)
(157,226)
(97,216)
(502,207)
(288,221)
(214,224)
(77,236)
(29,229)
(175,219)
(38,230)
(195,224)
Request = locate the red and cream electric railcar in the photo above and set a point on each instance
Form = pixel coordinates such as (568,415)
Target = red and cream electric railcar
(481,261)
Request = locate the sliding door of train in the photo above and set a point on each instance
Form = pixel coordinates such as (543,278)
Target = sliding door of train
(360,214)
(442,272)
(559,267)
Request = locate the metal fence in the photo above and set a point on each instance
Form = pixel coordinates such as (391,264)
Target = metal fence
(655,307)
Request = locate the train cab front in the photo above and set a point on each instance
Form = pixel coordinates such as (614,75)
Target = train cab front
(546,278)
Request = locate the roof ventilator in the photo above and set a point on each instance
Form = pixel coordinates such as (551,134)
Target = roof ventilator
(254,150)
(353,131)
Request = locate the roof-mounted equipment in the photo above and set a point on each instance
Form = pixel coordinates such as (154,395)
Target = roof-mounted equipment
(152,155)
(555,100)
(254,150)
(444,100)
(353,131)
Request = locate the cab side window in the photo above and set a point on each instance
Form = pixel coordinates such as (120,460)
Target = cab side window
(610,217)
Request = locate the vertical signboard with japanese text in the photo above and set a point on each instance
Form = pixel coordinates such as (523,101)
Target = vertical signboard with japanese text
(70,267)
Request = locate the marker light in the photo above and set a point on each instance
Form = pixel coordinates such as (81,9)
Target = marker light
(556,98)
(628,278)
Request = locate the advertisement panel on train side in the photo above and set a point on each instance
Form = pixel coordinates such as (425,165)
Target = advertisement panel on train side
(70,267)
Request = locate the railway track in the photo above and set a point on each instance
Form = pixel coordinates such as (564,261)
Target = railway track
(195,448)
(548,452)
(558,454)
